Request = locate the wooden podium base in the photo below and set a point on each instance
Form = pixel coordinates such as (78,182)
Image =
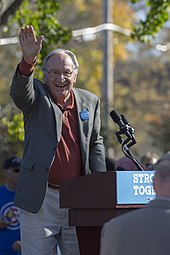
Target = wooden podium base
(89,240)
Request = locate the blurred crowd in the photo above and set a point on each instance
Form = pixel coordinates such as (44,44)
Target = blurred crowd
(147,162)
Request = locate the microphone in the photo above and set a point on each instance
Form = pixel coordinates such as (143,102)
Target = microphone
(131,130)
(125,120)
(117,119)
(127,130)
(123,123)
(124,126)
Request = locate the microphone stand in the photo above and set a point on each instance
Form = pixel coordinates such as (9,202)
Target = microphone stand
(128,142)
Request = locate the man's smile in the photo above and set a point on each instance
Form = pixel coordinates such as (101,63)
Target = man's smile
(60,86)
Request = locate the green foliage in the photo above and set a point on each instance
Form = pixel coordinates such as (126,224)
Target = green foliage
(15,128)
(42,15)
(156,16)
(11,133)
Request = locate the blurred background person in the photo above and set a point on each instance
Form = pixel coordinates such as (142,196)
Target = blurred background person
(165,156)
(144,231)
(125,164)
(9,214)
(148,160)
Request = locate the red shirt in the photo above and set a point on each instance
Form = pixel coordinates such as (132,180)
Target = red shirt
(67,162)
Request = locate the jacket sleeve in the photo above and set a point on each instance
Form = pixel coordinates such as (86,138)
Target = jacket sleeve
(22,91)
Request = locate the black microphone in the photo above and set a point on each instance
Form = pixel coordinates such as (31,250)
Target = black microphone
(127,130)
(125,120)
(117,118)
(123,123)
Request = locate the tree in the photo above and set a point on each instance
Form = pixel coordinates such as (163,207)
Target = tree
(6,8)
(42,15)
(160,129)
(157,15)
(142,94)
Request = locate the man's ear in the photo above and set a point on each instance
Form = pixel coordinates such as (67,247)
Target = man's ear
(75,77)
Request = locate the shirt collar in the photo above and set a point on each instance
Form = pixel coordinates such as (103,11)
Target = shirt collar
(70,105)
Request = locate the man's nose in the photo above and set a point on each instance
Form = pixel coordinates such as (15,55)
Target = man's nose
(60,76)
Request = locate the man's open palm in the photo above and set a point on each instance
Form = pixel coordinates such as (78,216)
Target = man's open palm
(30,45)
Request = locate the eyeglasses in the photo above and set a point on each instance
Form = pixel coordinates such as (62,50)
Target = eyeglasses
(16,170)
(55,74)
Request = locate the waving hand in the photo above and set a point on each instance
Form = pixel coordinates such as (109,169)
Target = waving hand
(30,45)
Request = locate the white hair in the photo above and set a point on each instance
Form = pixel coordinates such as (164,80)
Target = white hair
(60,51)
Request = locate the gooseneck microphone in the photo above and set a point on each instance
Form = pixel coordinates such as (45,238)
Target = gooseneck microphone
(126,130)
(123,124)
(117,118)
(124,119)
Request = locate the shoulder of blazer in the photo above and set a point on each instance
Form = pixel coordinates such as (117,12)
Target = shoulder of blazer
(159,203)
(85,94)
(40,87)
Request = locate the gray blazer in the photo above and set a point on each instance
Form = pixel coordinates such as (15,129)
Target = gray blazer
(144,231)
(43,125)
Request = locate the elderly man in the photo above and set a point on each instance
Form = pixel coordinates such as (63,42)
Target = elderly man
(62,142)
(144,231)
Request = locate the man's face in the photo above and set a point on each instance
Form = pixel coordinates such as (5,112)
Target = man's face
(12,174)
(60,76)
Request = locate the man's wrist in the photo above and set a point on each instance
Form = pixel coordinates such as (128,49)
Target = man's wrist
(25,68)
(30,61)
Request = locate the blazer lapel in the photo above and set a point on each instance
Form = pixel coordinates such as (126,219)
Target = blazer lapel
(83,121)
(58,119)
(83,126)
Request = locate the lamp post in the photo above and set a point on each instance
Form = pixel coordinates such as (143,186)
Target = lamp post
(107,83)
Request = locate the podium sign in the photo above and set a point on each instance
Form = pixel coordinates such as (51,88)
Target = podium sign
(134,187)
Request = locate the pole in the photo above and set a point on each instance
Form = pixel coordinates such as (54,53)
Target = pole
(107,84)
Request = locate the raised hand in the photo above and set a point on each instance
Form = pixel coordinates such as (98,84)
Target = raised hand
(30,45)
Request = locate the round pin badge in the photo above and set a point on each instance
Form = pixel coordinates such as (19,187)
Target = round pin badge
(84,115)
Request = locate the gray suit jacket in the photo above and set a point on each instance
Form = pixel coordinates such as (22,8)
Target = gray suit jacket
(43,125)
(144,231)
